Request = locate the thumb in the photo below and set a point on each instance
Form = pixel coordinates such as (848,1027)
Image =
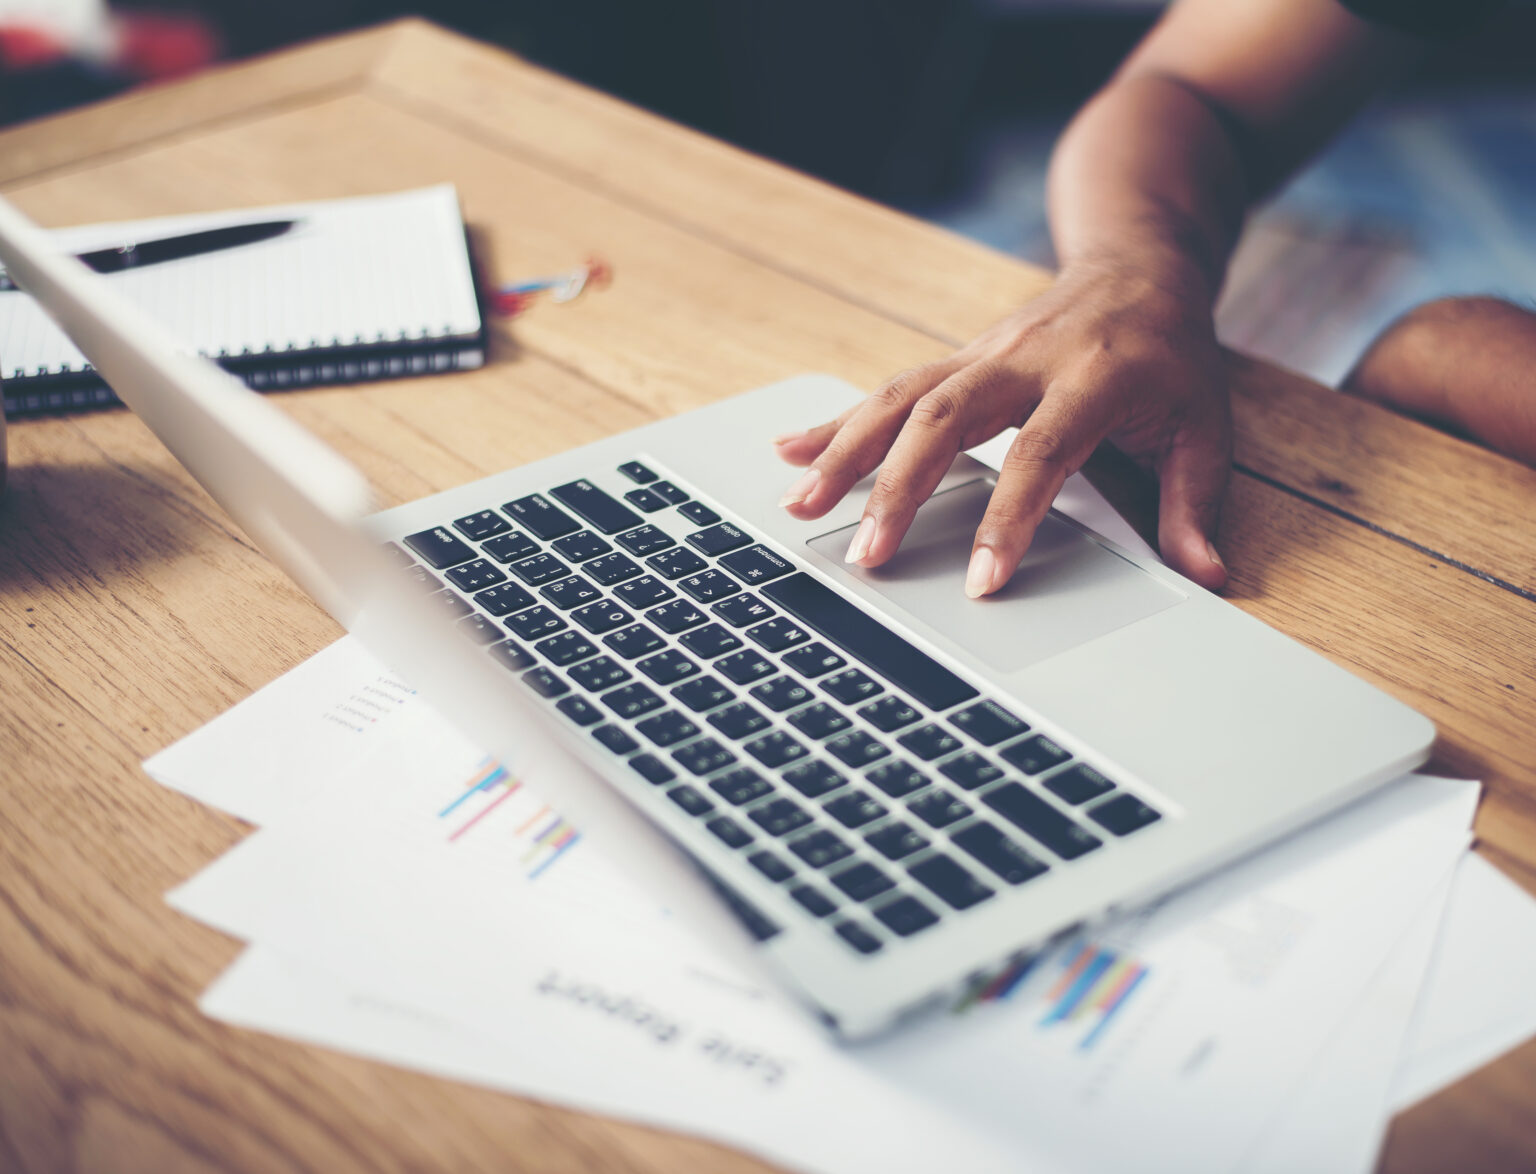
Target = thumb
(1193,480)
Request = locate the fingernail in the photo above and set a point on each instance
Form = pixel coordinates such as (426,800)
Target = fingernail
(786,437)
(801,489)
(979,575)
(863,539)
(1210,551)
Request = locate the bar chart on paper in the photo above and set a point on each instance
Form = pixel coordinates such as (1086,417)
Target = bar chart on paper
(1079,990)
(493,803)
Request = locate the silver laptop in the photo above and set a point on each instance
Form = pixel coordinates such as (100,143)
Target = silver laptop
(895,789)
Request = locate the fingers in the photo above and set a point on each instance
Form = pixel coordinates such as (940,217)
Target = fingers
(801,448)
(855,443)
(1193,477)
(1053,444)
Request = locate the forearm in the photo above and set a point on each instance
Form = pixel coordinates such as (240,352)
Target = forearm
(1148,173)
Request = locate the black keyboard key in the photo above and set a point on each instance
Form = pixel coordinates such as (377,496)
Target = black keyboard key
(601,617)
(669,492)
(601,509)
(666,728)
(896,841)
(637,472)
(511,654)
(539,517)
(453,605)
(535,622)
(778,634)
(698,513)
(744,667)
(702,693)
(1034,755)
(771,866)
(741,611)
(631,701)
(704,756)
(929,742)
(750,916)
(422,579)
(675,563)
(814,660)
(854,809)
(667,667)
(857,936)
(939,808)
(572,591)
(479,629)
(645,540)
(815,902)
(632,642)
(988,722)
(580,546)
(863,881)
(644,592)
(677,616)
(479,527)
(818,721)
(708,586)
(476,576)
(690,800)
(565,648)
(509,548)
(756,564)
(821,848)
(498,601)
(645,501)
(600,673)
(545,682)
(579,710)
(729,832)
(906,916)
(813,779)
(709,641)
(652,769)
(1008,858)
(611,568)
(779,694)
(738,721)
(775,749)
(779,817)
(1039,820)
(541,568)
(615,739)
(952,882)
(897,778)
(857,749)
(718,539)
(868,641)
(851,687)
(741,786)
(1123,814)
(440,548)
(1078,784)
(971,770)
(889,714)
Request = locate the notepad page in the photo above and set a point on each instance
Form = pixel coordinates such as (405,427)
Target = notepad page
(370,269)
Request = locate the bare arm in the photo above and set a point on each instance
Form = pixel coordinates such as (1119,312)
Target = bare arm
(1148,189)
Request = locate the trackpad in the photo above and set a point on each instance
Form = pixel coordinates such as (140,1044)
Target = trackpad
(1068,590)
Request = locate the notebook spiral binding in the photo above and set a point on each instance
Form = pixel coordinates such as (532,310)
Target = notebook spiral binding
(73,389)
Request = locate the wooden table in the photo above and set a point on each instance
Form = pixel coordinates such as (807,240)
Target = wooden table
(132,611)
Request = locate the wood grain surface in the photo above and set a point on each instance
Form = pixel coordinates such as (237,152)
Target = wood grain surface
(132,610)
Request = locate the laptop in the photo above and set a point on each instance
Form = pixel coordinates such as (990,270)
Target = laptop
(860,781)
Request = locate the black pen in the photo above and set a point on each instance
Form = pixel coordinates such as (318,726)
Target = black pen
(173,248)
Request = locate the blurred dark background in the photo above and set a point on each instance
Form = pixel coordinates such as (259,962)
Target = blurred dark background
(947,109)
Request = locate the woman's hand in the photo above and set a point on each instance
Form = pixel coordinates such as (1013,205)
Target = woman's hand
(1121,347)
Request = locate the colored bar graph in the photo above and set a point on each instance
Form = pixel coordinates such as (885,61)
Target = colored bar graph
(1095,984)
(544,835)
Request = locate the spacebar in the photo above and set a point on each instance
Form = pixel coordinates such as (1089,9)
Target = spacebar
(866,639)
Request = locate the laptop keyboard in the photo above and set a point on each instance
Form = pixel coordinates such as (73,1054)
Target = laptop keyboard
(883,791)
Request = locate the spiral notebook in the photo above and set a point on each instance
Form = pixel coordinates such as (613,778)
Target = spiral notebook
(364,288)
